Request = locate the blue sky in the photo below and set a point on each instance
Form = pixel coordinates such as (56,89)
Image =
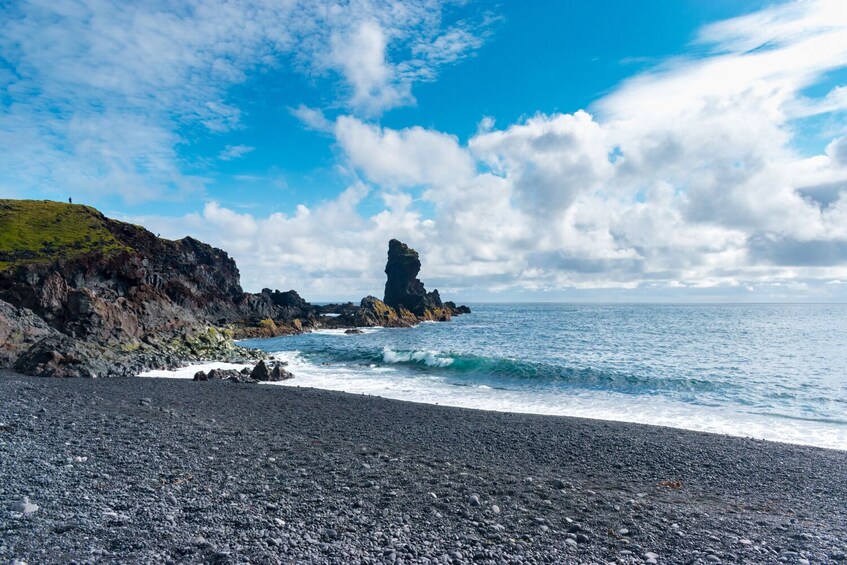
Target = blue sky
(676,150)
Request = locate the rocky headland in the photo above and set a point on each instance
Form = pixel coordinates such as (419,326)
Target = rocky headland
(85,295)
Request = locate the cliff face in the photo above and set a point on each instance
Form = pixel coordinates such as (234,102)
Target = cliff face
(117,287)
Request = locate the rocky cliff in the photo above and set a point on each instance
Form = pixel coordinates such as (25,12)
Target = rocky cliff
(115,292)
(85,295)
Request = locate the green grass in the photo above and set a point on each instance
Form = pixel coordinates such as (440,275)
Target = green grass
(34,231)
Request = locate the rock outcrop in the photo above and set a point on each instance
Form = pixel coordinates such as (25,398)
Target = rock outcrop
(126,302)
(85,295)
(404,291)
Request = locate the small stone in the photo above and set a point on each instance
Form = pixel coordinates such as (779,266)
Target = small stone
(24,506)
(495,508)
(473,500)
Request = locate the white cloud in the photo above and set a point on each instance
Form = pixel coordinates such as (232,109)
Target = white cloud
(231,152)
(312,118)
(132,75)
(360,55)
(408,157)
(686,178)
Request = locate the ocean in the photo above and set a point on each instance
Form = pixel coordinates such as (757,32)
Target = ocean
(767,371)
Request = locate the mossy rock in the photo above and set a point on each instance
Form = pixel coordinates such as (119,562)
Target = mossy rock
(35,231)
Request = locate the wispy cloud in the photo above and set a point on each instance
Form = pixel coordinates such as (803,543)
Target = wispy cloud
(231,152)
(95,92)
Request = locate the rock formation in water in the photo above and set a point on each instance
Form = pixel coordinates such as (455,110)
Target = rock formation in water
(404,291)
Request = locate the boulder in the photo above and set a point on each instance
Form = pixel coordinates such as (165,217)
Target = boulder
(261,372)
(201,376)
(280,374)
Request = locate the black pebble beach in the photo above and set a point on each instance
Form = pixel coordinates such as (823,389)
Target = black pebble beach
(138,470)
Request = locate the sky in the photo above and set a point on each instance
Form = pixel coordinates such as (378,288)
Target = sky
(671,151)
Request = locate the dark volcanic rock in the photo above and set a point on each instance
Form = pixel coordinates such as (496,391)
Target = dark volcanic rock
(137,302)
(374,312)
(261,372)
(280,374)
(403,289)
(456,310)
(19,329)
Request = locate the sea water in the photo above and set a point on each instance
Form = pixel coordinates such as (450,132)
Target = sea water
(769,371)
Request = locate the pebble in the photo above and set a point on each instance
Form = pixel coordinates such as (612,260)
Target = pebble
(154,471)
(24,506)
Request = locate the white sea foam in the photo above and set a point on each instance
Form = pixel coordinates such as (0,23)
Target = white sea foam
(601,405)
(429,358)
(343,332)
(188,372)
(431,388)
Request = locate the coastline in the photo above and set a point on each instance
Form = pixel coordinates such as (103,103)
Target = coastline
(643,411)
(178,471)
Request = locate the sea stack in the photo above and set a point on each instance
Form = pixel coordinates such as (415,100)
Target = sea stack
(402,288)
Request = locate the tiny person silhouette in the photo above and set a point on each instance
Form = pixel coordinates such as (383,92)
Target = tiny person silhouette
(70,200)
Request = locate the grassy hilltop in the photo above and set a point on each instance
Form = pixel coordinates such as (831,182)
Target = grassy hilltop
(41,231)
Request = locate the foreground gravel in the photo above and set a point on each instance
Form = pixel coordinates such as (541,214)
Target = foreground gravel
(172,471)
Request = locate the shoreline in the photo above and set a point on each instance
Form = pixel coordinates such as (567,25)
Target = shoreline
(509,402)
(181,471)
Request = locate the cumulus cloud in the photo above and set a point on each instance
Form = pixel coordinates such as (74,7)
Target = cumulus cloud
(686,176)
(413,156)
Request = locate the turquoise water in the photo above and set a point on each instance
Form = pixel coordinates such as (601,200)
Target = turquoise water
(769,371)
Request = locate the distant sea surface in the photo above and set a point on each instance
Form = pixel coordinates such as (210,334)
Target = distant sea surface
(776,372)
